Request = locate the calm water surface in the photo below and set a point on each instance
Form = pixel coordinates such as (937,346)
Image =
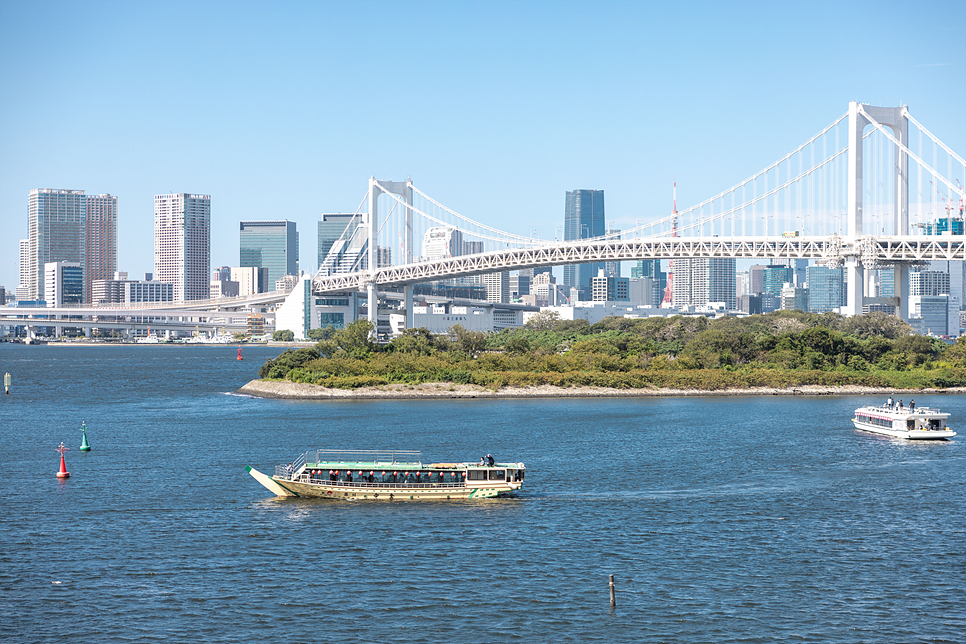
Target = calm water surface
(724,519)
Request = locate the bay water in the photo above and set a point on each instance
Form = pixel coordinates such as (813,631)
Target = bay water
(724,519)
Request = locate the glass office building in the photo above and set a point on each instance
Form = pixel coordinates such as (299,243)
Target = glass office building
(272,245)
(57,227)
(583,219)
(331,229)
(826,290)
(775,277)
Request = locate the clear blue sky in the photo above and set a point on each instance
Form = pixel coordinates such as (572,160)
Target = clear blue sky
(284,109)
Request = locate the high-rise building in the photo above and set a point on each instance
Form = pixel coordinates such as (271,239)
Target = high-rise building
(101,240)
(928,283)
(250,279)
(182,244)
(57,231)
(272,245)
(607,288)
(794,298)
(699,281)
(775,277)
(22,292)
(826,290)
(442,241)
(612,269)
(756,279)
(497,286)
(63,283)
(583,219)
(332,228)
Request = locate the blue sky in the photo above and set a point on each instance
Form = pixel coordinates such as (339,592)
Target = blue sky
(496,109)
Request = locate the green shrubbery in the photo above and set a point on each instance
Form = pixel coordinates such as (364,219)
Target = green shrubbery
(782,349)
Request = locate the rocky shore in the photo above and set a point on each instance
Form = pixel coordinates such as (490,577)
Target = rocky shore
(296,391)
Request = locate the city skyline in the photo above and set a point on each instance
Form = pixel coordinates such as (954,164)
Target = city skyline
(515,119)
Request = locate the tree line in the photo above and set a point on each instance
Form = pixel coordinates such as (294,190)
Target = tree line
(780,349)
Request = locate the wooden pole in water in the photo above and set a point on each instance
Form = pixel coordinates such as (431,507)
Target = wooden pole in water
(613,597)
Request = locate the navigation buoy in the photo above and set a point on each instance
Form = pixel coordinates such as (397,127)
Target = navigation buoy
(63,473)
(239,354)
(85,447)
(6,382)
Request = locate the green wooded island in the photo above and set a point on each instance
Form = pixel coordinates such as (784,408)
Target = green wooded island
(782,350)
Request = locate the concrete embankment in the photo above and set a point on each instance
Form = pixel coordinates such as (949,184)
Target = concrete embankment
(296,391)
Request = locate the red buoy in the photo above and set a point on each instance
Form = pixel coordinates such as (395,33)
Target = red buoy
(63,473)
(239,354)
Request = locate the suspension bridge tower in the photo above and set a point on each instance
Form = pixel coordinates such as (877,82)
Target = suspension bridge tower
(896,119)
(405,191)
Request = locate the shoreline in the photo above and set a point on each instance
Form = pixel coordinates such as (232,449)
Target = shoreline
(297,391)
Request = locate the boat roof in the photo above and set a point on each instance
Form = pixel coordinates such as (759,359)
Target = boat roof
(381,460)
(905,412)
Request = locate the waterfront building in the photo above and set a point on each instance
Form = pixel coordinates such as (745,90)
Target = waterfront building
(182,243)
(63,283)
(826,290)
(301,311)
(332,228)
(698,281)
(272,245)
(57,231)
(250,279)
(22,291)
(101,240)
(583,219)
(121,290)
(286,283)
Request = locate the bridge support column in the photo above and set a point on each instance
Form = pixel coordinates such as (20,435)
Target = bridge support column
(901,291)
(855,286)
(373,315)
(408,297)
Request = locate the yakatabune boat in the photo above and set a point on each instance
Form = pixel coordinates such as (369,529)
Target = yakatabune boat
(920,423)
(389,475)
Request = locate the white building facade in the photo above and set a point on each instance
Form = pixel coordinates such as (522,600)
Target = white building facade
(182,243)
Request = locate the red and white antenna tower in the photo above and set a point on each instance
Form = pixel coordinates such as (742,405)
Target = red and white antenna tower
(669,291)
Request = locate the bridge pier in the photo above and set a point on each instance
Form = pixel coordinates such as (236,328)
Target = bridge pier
(901,292)
(854,286)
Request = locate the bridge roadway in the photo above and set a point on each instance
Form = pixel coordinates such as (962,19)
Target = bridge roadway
(867,250)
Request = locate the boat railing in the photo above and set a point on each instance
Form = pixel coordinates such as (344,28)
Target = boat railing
(364,485)
(397,458)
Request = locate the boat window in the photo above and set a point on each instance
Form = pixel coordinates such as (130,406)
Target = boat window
(477,475)
(497,475)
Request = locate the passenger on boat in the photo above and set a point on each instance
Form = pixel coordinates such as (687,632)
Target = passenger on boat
(482,460)
(489,460)
(900,405)
(912,405)
(889,402)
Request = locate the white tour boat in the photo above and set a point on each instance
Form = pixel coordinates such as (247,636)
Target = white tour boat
(921,423)
(389,475)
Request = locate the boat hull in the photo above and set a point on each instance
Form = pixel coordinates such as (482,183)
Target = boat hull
(916,434)
(375,492)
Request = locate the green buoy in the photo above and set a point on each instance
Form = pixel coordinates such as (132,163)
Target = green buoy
(85,447)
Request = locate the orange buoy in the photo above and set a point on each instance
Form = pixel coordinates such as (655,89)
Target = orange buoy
(239,354)
(63,473)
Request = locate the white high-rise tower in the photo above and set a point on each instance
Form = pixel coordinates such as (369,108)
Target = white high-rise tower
(182,243)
